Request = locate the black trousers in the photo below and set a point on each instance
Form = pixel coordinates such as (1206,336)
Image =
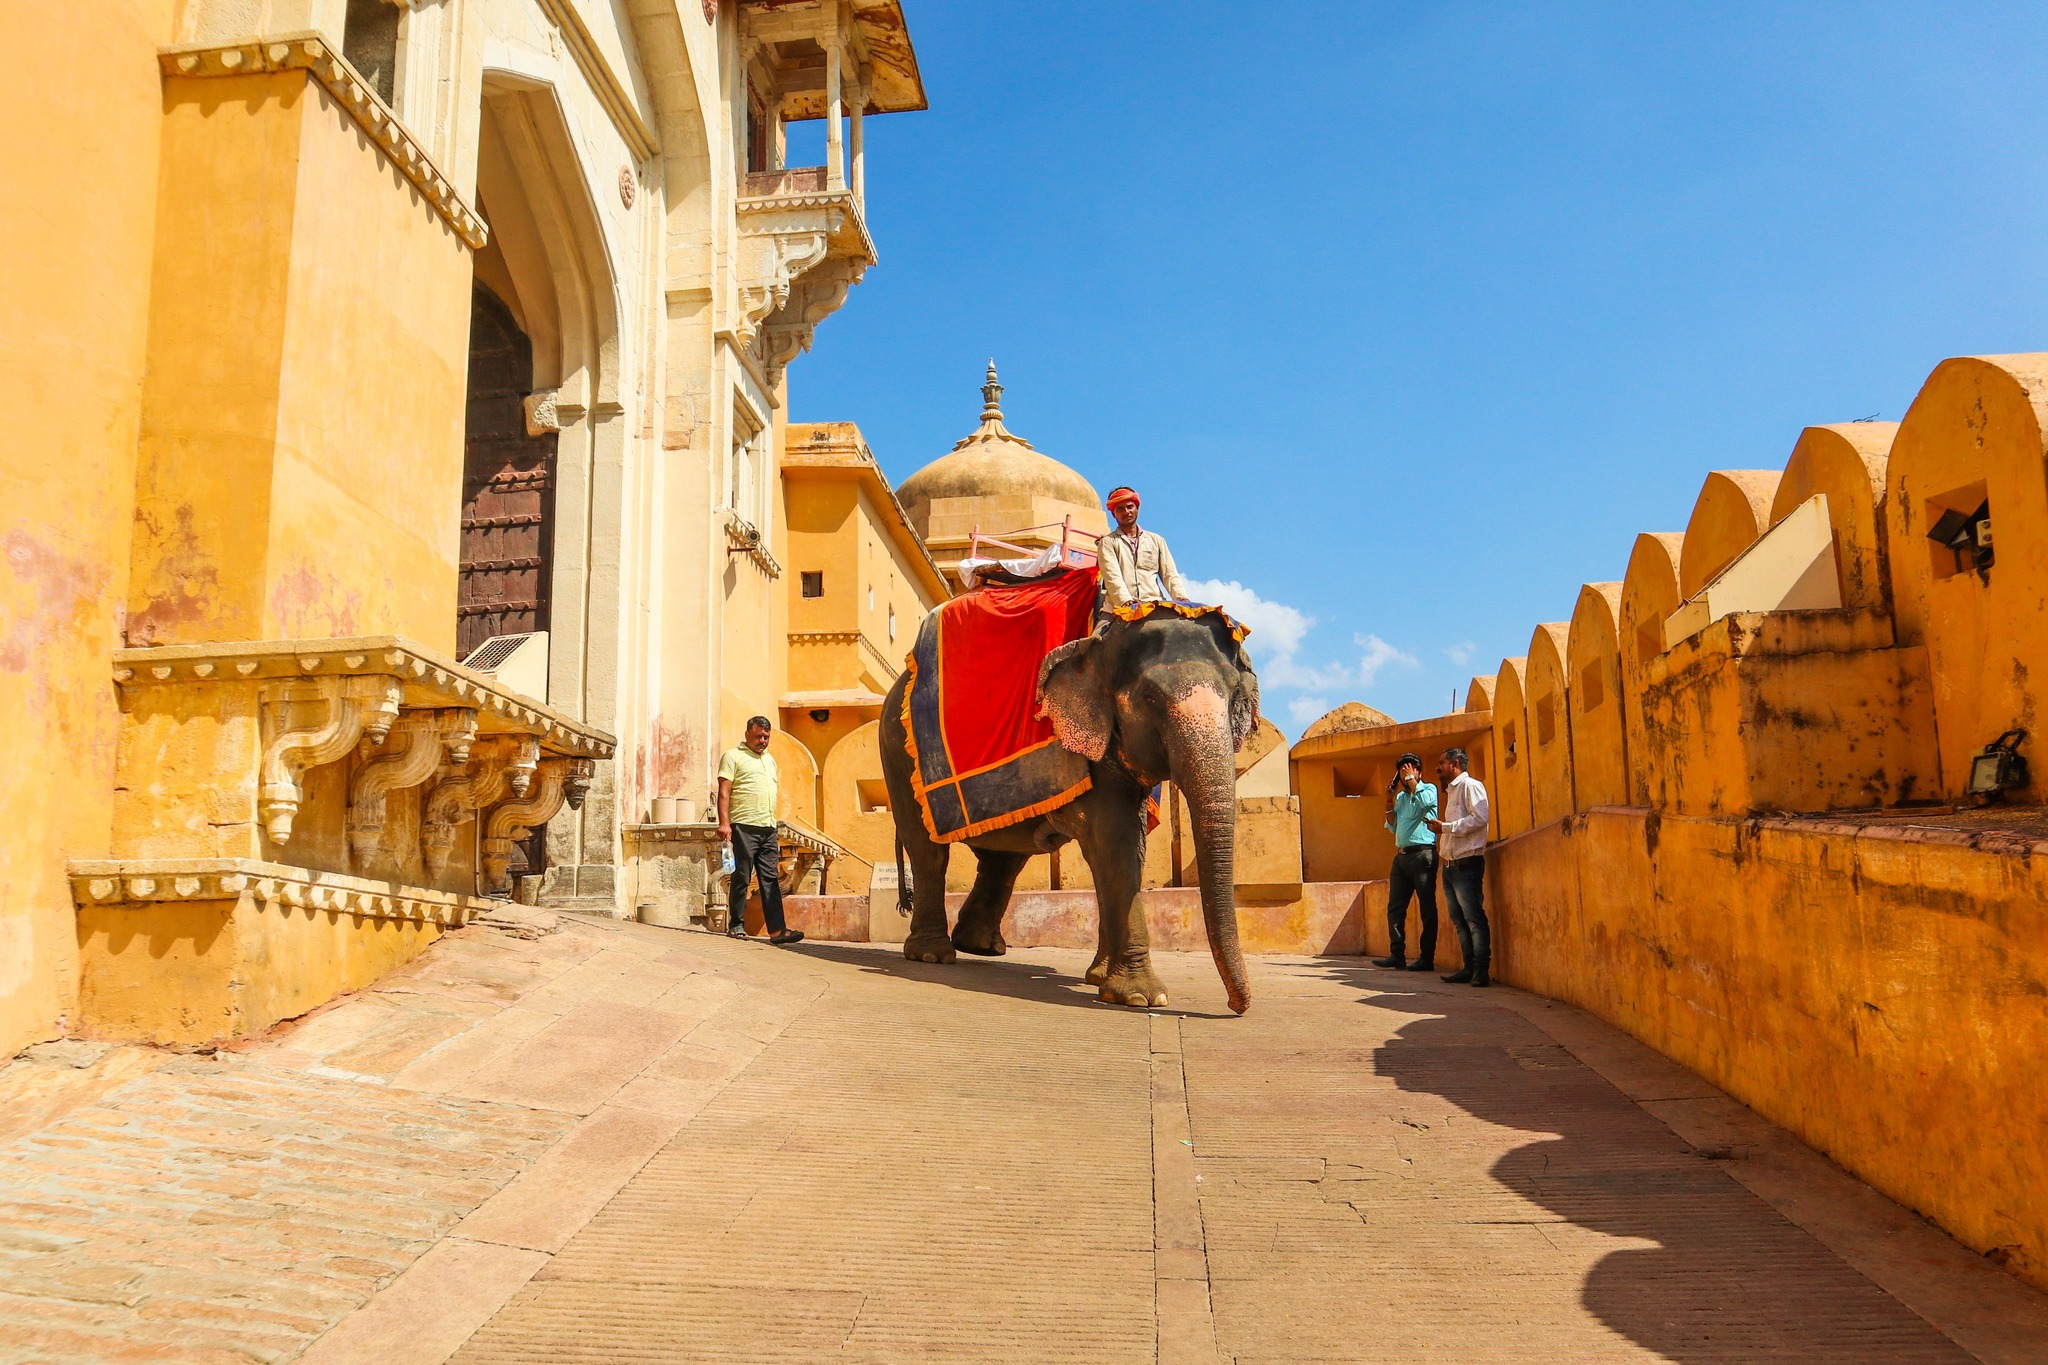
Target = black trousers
(1465,898)
(756,854)
(1414,874)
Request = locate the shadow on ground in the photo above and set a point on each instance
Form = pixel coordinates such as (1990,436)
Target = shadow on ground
(1012,978)
(1728,1279)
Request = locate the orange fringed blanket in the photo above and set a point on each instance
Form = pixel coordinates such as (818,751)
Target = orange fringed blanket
(982,760)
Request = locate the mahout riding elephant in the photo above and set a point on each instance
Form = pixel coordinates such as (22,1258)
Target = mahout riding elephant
(1168,697)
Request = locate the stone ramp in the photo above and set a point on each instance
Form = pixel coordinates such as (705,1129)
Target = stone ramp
(605,1142)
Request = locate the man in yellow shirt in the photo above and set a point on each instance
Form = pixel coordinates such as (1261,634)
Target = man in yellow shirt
(746,819)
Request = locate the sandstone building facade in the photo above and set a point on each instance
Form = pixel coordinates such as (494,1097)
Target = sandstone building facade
(393,326)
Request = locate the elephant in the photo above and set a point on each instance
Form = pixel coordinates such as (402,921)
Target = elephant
(1165,697)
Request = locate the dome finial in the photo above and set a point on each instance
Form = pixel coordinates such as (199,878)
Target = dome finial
(992,396)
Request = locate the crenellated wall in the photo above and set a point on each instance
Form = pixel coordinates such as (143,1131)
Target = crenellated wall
(1879,990)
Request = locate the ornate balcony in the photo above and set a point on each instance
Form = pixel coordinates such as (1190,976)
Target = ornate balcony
(802,247)
(290,821)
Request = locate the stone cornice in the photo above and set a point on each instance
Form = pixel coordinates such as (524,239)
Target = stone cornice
(605,83)
(427,679)
(309,52)
(273,886)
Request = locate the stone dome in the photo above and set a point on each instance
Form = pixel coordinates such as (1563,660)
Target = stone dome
(1352,715)
(991,463)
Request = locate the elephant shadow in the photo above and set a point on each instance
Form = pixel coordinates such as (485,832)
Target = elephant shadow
(1716,1275)
(1009,978)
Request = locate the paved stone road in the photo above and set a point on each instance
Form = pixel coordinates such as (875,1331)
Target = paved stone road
(612,1143)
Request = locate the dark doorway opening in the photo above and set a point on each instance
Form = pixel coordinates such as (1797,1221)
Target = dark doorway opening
(508,501)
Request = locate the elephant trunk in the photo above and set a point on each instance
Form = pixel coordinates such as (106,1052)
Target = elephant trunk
(1201,754)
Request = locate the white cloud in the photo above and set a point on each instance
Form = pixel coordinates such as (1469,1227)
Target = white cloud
(1378,655)
(1306,711)
(1461,654)
(1277,629)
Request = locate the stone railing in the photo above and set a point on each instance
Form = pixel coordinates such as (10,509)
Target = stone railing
(790,180)
(676,879)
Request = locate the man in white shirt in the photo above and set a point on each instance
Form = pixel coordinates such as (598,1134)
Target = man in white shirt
(1461,851)
(1136,565)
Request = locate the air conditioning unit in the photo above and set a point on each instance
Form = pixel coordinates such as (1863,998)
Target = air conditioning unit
(517,662)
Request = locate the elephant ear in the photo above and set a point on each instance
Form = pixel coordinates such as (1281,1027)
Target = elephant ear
(1244,701)
(1074,696)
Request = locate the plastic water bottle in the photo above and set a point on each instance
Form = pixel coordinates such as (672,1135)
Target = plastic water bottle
(726,864)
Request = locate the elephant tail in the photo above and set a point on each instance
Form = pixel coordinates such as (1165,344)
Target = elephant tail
(903,904)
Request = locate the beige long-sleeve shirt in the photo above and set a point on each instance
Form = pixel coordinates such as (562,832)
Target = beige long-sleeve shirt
(1138,572)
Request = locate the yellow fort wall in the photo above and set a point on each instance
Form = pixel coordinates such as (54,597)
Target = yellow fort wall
(1881,992)
(1548,698)
(82,185)
(301,461)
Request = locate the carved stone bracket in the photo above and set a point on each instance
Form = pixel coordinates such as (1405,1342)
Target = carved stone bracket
(798,255)
(420,743)
(816,296)
(514,820)
(310,722)
(497,767)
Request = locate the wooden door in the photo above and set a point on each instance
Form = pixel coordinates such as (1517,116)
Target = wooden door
(508,487)
(508,504)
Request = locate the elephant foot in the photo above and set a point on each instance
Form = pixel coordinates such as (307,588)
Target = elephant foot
(1139,990)
(928,948)
(1098,970)
(979,941)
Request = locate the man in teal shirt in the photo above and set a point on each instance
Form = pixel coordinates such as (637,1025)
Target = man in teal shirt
(1411,805)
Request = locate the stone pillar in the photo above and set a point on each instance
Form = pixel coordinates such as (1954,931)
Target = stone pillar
(835,113)
(860,160)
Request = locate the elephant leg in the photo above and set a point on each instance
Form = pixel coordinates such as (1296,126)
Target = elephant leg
(1115,848)
(927,941)
(979,929)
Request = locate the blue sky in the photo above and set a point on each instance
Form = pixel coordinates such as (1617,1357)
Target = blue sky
(1406,318)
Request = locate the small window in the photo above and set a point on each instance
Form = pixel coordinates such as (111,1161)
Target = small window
(873,796)
(369,39)
(1546,720)
(1649,641)
(814,583)
(1592,690)
(1507,738)
(871,598)
(1959,527)
(892,623)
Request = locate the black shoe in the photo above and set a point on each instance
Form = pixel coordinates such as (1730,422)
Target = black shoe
(1457,978)
(1394,963)
(786,937)
(1479,976)
(1422,964)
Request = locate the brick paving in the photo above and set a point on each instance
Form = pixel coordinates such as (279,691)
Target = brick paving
(613,1143)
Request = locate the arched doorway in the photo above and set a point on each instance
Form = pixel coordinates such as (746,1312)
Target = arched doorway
(508,486)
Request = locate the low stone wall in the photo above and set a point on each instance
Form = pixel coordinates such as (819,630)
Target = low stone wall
(1327,918)
(1879,990)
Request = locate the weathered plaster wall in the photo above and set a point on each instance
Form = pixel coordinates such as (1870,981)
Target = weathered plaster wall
(1880,991)
(1975,432)
(1649,593)
(1599,743)
(301,460)
(1511,794)
(1846,463)
(1732,510)
(1550,726)
(82,183)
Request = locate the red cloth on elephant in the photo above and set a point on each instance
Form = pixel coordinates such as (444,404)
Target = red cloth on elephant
(981,757)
